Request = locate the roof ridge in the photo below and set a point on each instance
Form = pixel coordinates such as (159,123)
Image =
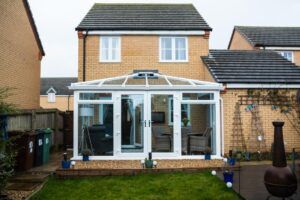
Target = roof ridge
(239,26)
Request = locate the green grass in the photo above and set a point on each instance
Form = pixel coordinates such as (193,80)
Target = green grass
(145,187)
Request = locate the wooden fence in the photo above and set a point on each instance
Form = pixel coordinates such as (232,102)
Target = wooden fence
(38,119)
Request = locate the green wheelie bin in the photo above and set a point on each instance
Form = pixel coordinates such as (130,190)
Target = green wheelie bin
(47,144)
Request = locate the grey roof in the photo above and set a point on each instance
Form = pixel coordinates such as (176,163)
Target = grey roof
(141,17)
(249,66)
(271,36)
(60,85)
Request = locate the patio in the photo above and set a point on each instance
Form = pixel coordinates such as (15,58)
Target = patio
(126,117)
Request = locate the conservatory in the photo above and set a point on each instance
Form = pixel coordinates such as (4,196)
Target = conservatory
(127,117)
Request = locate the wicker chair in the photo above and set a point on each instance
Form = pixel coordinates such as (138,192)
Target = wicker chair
(160,142)
(199,142)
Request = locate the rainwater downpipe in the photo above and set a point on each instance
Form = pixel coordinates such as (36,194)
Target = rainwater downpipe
(222,125)
(84,55)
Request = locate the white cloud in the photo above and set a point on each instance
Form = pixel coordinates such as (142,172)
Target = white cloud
(56,21)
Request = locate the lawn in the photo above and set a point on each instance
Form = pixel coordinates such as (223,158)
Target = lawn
(148,186)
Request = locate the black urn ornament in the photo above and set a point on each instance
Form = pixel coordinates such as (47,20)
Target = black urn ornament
(279,179)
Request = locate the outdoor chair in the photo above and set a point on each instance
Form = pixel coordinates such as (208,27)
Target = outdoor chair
(199,142)
(161,138)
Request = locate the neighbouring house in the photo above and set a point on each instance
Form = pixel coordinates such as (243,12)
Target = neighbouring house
(284,40)
(21,54)
(55,93)
(148,83)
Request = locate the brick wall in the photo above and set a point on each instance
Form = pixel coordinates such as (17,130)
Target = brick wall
(238,42)
(19,55)
(142,52)
(60,104)
(291,137)
(297,57)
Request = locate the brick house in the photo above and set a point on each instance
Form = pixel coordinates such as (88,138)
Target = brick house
(148,83)
(54,93)
(21,54)
(284,40)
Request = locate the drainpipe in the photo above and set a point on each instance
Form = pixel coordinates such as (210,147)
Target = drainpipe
(69,102)
(222,125)
(84,55)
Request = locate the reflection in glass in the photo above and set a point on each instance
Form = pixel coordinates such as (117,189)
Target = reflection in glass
(95,129)
(132,119)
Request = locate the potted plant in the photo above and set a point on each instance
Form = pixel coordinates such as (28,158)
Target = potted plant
(65,163)
(231,159)
(86,153)
(185,121)
(207,153)
(227,173)
(148,163)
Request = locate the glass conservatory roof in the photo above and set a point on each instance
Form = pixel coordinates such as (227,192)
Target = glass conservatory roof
(145,81)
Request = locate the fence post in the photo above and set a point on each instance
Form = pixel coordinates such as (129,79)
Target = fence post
(33,119)
(56,123)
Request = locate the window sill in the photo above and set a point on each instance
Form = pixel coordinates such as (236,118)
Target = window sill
(174,61)
(109,61)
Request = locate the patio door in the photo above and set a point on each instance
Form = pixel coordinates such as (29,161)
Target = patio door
(146,124)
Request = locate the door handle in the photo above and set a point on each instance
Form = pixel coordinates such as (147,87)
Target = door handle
(149,123)
(145,123)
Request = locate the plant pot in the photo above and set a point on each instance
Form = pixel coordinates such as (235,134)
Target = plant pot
(66,164)
(228,177)
(207,156)
(85,158)
(149,164)
(231,161)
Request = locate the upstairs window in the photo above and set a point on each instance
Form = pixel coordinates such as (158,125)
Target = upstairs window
(51,93)
(287,55)
(173,49)
(51,97)
(110,50)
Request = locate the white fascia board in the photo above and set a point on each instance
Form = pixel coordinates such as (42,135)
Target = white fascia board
(261,86)
(150,88)
(282,48)
(145,33)
(62,95)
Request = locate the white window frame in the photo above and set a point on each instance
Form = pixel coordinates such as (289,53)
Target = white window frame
(51,97)
(118,56)
(169,111)
(173,38)
(282,54)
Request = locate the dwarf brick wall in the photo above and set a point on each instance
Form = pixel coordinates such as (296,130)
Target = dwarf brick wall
(19,56)
(142,52)
(230,97)
(238,42)
(60,104)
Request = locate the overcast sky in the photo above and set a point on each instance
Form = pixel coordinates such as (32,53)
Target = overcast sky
(56,21)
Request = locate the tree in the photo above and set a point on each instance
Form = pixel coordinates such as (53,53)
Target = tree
(7,151)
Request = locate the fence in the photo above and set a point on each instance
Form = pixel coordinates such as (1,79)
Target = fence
(37,119)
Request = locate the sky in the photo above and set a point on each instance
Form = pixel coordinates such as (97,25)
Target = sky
(56,21)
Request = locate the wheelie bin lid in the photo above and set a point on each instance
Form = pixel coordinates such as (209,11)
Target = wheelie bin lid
(48,131)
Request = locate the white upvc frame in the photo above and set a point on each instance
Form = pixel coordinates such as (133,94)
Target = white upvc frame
(176,138)
(281,52)
(119,53)
(115,101)
(173,48)
(215,102)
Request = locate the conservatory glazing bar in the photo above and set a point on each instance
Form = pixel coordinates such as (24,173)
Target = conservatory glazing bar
(129,116)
